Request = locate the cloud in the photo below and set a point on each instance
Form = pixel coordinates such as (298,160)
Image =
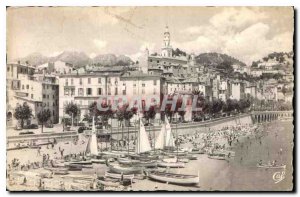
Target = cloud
(100,44)
(240,33)
(143,46)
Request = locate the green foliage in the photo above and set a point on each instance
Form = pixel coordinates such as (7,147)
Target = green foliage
(23,112)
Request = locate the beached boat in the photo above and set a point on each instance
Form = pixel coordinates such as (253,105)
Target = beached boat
(170,164)
(183,160)
(180,179)
(270,166)
(89,162)
(127,161)
(59,171)
(101,161)
(117,168)
(17,148)
(78,167)
(119,176)
(219,156)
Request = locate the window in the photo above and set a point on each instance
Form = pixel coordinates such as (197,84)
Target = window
(44,96)
(47,87)
(157,61)
(99,91)
(134,85)
(154,82)
(72,91)
(27,87)
(31,96)
(7,69)
(47,96)
(108,91)
(99,80)
(116,81)
(143,84)
(72,81)
(66,93)
(53,113)
(80,81)
(80,91)
(124,91)
(108,80)
(116,91)
(150,60)
(66,82)
(143,91)
(53,103)
(89,91)
(53,96)
(22,87)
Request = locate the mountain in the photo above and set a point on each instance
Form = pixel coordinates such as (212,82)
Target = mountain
(111,60)
(35,59)
(76,58)
(217,60)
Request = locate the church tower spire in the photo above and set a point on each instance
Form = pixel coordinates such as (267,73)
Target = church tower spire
(166,50)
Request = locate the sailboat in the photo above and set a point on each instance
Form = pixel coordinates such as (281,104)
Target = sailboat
(133,166)
(166,140)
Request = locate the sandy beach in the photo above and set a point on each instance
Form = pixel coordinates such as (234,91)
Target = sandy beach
(238,174)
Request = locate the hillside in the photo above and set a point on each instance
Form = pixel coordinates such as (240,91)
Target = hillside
(217,59)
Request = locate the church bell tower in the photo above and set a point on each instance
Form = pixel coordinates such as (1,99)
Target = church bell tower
(166,50)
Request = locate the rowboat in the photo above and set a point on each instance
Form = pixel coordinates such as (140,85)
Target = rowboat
(191,157)
(128,161)
(79,162)
(219,156)
(17,148)
(170,164)
(117,168)
(78,167)
(180,179)
(58,171)
(119,176)
(147,164)
(183,160)
(271,166)
(102,161)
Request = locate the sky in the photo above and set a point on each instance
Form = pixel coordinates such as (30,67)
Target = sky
(246,33)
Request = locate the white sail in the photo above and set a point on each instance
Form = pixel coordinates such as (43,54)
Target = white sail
(170,142)
(143,144)
(92,147)
(160,140)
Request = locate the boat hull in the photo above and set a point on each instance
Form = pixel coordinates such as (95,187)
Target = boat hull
(174,178)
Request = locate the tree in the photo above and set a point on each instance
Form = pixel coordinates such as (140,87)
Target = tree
(150,113)
(23,112)
(43,116)
(72,109)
